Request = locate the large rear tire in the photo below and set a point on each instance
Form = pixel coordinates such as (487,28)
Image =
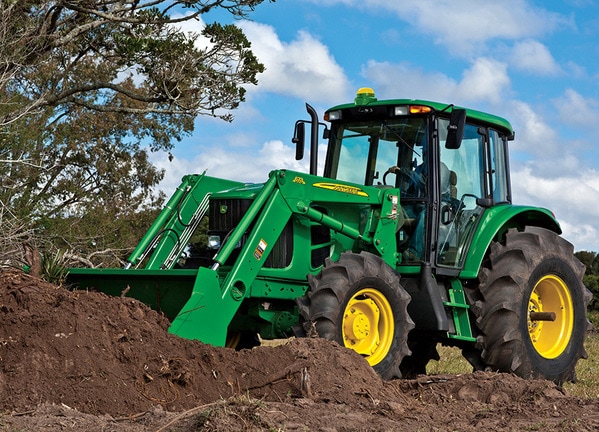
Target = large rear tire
(530,307)
(359,303)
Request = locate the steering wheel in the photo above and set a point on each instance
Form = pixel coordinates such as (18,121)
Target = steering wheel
(397,171)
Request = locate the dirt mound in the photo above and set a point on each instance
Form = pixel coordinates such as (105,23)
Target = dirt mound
(95,362)
(113,355)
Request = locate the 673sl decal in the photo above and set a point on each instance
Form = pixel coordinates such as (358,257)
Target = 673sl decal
(341,188)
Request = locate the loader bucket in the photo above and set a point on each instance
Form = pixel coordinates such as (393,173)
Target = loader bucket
(165,291)
(190,298)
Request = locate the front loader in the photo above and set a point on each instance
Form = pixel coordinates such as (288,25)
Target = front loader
(408,239)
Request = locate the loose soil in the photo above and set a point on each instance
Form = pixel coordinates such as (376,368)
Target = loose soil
(78,360)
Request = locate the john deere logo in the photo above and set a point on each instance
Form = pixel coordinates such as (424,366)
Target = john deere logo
(341,188)
(223,209)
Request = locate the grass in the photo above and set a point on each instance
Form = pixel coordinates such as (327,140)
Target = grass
(452,362)
(587,372)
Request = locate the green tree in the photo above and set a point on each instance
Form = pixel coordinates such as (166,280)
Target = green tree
(49,48)
(87,88)
(591,277)
(592,283)
(588,259)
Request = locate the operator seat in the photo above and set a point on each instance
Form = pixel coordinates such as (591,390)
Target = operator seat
(449,181)
(453,181)
(447,238)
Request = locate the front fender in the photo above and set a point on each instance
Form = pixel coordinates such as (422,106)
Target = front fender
(495,222)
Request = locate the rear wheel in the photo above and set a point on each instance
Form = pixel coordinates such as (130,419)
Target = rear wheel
(530,307)
(359,303)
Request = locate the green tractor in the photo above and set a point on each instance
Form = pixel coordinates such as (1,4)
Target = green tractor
(408,239)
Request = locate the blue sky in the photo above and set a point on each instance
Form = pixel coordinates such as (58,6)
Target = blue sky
(535,63)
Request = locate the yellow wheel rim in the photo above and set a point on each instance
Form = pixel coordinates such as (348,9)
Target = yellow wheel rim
(368,325)
(549,336)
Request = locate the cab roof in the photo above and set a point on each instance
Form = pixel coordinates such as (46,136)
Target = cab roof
(365,97)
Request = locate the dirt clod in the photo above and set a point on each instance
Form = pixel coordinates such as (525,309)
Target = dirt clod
(77,360)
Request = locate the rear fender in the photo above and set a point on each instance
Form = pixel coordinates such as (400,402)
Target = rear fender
(495,222)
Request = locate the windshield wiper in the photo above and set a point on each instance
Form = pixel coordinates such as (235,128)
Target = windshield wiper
(399,138)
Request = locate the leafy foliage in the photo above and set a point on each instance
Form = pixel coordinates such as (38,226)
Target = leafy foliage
(591,276)
(87,89)
(64,53)
(54,267)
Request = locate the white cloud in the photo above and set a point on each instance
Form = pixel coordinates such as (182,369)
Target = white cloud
(574,70)
(562,144)
(576,110)
(302,68)
(583,236)
(486,81)
(409,81)
(466,26)
(230,163)
(195,27)
(533,57)
(572,196)
(533,134)
(552,174)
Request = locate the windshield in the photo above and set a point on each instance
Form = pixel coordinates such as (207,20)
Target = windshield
(361,152)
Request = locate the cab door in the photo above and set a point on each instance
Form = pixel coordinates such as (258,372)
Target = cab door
(472,178)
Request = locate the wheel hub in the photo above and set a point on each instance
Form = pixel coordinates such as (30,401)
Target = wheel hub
(368,325)
(550,316)
(358,322)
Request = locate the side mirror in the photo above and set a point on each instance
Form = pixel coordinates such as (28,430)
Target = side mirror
(455,130)
(299,138)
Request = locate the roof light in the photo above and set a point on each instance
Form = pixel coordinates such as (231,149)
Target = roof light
(401,110)
(332,115)
(364,95)
(420,109)
(365,91)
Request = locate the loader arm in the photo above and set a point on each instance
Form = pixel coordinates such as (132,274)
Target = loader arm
(217,296)
(166,239)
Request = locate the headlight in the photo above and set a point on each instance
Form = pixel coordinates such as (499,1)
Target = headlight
(213,242)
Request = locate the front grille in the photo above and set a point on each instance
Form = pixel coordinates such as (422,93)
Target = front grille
(282,251)
(225,214)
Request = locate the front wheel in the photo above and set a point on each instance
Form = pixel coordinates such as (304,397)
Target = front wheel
(359,303)
(530,306)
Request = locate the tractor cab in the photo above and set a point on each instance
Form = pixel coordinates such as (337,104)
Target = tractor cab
(449,165)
